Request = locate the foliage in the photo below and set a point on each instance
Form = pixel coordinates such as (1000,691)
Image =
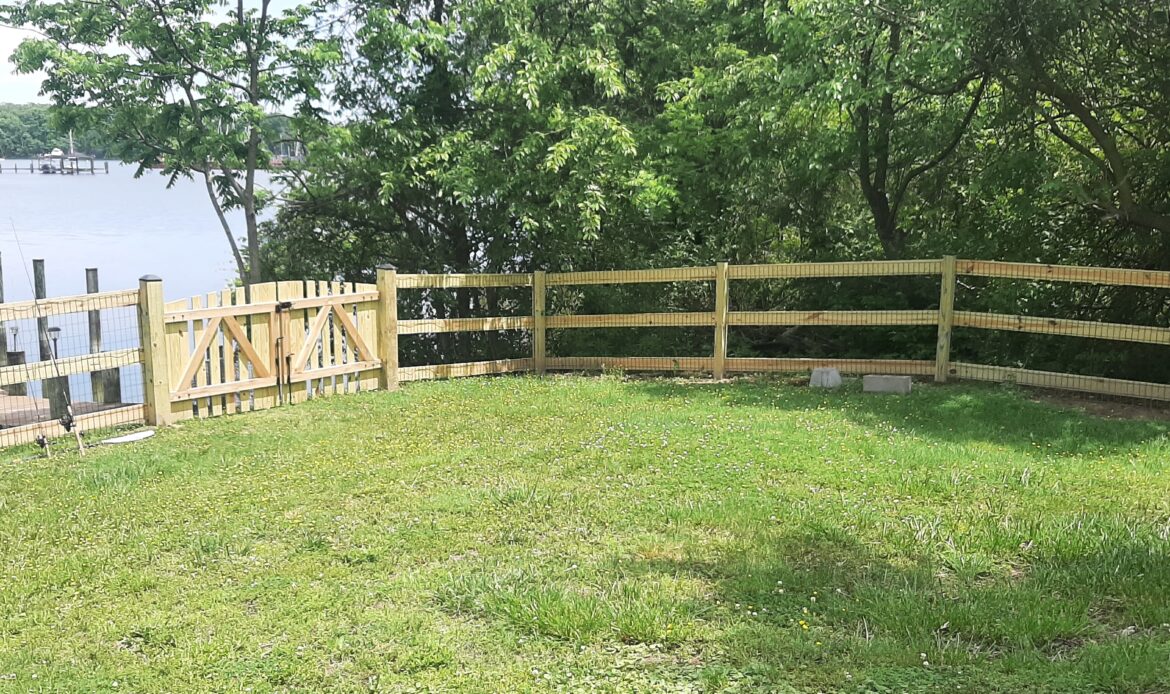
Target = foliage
(27,130)
(181,85)
(573,534)
(475,136)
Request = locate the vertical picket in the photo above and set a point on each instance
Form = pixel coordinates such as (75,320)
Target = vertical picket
(263,338)
(178,337)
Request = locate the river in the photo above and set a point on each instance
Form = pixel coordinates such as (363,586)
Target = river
(125,227)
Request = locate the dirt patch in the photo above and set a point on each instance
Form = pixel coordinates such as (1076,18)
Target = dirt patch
(1102,406)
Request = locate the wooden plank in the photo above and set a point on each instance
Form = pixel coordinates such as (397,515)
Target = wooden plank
(453,325)
(455,281)
(632,320)
(367,323)
(355,367)
(675,274)
(852,366)
(219,390)
(312,345)
(85,363)
(237,370)
(263,340)
(854,318)
(130,414)
(864,268)
(228,355)
(269,306)
(195,364)
(1061,381)
(25,310)
(246,347)
(296,324)
(946,318)
(304,359)
(476,368)
(178,339)
(1065,273)
(722,299)
(322,353)
(669,364)
(203,373)
(343,343)
(215,357)
(539,321)
(356,346)
(1063,326)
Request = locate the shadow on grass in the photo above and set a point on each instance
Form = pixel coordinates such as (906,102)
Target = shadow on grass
(954,413)
(818,602)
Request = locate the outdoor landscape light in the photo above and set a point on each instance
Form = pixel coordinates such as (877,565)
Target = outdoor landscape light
(54,335)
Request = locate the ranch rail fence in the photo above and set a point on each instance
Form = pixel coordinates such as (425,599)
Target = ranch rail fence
(241,350)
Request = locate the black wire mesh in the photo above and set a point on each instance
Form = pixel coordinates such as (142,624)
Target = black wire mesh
(54,356)
(1100,330)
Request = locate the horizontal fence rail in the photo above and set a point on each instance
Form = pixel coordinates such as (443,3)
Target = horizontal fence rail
(948,270)
(285,342)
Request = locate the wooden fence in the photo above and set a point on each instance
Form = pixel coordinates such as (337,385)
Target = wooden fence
(946,318)
(286,342)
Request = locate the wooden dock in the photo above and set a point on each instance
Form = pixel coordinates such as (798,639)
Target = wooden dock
(69,169)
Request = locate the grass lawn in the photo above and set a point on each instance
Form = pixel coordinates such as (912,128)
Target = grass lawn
(599,534)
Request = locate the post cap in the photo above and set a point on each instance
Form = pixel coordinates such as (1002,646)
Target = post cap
(150,278)
(387,266)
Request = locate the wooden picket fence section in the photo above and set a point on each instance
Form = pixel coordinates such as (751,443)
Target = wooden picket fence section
(282,342)
(279,343)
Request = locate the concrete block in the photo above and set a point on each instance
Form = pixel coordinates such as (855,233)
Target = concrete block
(825,378)
(886,384)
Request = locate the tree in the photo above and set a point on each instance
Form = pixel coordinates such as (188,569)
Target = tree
(1093,74)
(181,85)
(892,80)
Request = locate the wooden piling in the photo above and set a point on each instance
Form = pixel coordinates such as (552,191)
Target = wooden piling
(107,383)
(56,389)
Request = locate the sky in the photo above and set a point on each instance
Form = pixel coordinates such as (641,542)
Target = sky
(21,89)
(17,89)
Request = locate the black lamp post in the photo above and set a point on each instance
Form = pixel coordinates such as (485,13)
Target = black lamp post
(54,335)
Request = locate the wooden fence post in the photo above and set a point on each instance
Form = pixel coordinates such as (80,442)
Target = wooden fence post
(155,363)
(388,325)
(946,315)
(722,297)
(538,321)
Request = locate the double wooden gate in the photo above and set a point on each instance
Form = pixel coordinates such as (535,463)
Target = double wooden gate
(285,342)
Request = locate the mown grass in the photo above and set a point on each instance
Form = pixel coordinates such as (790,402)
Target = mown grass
(599,534)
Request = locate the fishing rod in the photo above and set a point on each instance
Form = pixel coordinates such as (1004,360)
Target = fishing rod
(68,422)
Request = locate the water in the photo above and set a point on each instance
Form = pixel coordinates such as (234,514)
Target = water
(123,226)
